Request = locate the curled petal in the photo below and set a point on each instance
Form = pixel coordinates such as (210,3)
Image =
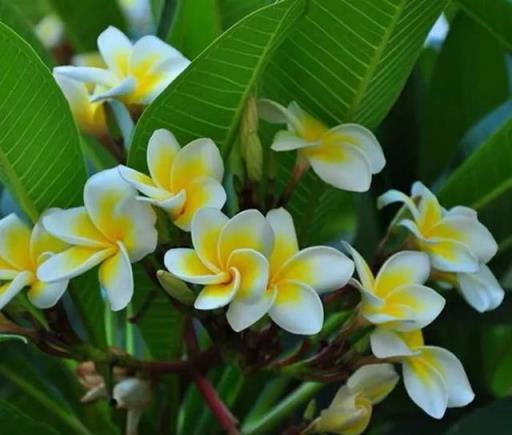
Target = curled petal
(253,270)
(363,270)
(143,184)
(88,74)
(241,315)
(363,139)
(199,158)
(125,87)
(321,267)
(185,264)
(297,308)
(374,381)
(394,196)
(72,262)
(481,289)
(162,150)
(116,278)
(10,289)
(248,229)
(215,296)
(276,113)
(285,140)
(45,295)
(403,268)
(342,166)
(386,343)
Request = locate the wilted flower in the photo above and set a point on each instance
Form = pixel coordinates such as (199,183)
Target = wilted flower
(396,298)
(229,257)
(135,73)
(351,409)
(296,279)
(114,229)
(183,180)
(22,250)
(434,378)
(455,240)
(344,156)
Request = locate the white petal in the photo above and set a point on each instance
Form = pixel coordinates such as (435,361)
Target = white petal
(116,278)
(285,140)
(9,290)
(71,263)
(125,87)
(199,158)
(215,296)
(425,386)
(248,229)
(143,184)
(297,308)
(115,49)
(451,256)
(481,289)
(342,166)
(185,264)
(285,238)
(241,315)
(253,270)
(276,113)
(162,150)
(363,139)
(45,295)
(386,343)
(374,381)
(402,268)
(88,74)
(363,270)
(15,242)
(75,227)
(453,373)
(321,267)
(207,225)
(150,50)
(394,196)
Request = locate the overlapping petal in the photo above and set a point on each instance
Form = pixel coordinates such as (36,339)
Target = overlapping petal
(374,381)
(187,265)
(207,226)
(10,289)
(242,314)
(15,242)
(115,49)
(45,295)
(481,289)
(285,238)
(215,296)
(162,151)
(116,278)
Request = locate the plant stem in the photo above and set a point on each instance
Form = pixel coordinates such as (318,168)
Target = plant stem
(267,423)
(166,16)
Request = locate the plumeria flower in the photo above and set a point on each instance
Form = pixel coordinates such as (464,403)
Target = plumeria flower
(351,409)
(138,14)
(113,229)
(89,116)
(396,298)
(182,180)
(345,156)
(22,250)
(296,279)
(50,31)
(229,258)
(455,240)
(434,378)
(135,73)
(480,289)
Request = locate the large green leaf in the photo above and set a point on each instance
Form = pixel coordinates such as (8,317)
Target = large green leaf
(12,16)
(208,99)
(494,15)
(232,11)
(86,19)
(15,422)
(190,15)
(484,182)
(346,61)
(470,55)
(491,419)
(40,156)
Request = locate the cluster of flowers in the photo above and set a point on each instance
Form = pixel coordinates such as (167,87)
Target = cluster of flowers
(251,263)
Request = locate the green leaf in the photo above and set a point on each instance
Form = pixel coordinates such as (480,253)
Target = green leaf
(10,337)
(12,16)
(470,55)
(208,99)
(192,15)
(495,16)
(484,182)
(40,160)
(492,419)
(497,359)
(14,422)
(232,11)
(86,19)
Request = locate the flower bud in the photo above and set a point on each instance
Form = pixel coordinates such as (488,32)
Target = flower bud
(176,288)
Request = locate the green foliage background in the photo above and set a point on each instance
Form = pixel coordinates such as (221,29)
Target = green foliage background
(442,112)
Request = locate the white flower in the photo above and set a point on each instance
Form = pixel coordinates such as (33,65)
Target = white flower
(344,156)
(113,229)
(182,180)
(296,278)
(351,409)
(434,378)
(22,250)
(50,30)
(396,298)
(136,73)
(229,257)
(455,240)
